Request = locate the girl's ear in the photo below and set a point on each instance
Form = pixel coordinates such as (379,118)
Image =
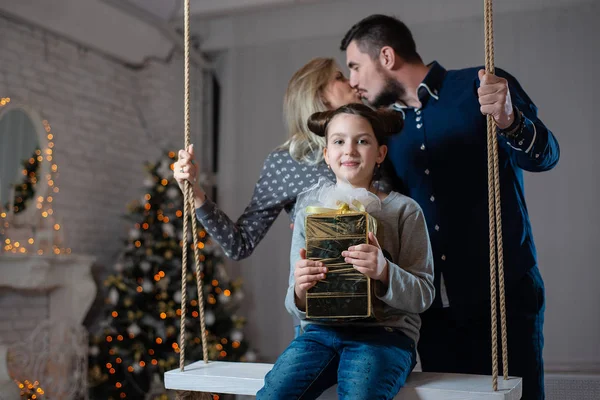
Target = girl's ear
(382,152)
(325,156)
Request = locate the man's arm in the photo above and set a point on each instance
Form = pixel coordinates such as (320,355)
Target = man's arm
(530,145)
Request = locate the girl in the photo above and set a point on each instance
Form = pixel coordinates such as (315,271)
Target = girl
(369,359)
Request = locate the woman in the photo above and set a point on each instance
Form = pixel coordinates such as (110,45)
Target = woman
(288,170)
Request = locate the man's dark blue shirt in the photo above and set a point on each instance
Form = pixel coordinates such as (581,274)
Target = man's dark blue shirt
(441,158)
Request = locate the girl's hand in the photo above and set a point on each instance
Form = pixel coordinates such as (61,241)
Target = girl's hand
(368,259)
(306,274)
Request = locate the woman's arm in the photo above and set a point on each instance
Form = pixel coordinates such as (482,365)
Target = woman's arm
(237,239)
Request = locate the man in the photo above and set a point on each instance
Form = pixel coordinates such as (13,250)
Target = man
(441,157)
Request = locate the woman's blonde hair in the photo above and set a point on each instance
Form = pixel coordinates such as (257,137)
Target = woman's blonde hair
(302,99)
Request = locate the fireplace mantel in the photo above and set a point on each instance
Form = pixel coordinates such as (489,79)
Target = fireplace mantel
(66,279)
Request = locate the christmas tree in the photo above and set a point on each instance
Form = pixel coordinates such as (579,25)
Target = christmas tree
(137,340)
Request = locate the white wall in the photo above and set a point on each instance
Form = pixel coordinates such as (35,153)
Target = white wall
(551,50)
(107,120)
(95,24)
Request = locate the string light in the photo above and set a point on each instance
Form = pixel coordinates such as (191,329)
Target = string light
(30,389)
(44,205)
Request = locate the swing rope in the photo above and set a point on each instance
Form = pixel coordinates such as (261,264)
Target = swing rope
(495,220)
(188,212)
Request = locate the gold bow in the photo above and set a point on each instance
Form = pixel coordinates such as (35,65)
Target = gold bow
(344,208)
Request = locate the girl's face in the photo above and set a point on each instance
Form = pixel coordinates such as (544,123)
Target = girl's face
(338,92)
(352,150)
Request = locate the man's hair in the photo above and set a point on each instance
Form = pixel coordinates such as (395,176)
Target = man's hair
(376,31)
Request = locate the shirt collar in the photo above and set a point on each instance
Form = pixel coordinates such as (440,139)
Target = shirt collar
(429,88)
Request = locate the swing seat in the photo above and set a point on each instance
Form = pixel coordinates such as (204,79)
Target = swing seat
(247,379)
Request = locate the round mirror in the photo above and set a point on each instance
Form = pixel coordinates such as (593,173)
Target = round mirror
(22,165)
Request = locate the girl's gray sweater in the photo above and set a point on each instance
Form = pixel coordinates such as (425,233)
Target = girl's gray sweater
(402,232)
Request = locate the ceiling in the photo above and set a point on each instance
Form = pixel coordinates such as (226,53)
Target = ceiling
(128,30)
(133,31)
(172,10)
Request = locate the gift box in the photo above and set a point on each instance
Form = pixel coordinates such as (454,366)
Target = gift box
(345,293)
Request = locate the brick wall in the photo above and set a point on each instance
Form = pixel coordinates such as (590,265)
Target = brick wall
(20,312)
(107,118)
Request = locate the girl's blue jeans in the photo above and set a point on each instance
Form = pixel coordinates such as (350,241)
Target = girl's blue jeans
(366,362)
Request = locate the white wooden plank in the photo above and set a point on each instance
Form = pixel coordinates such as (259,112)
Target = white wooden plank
(219,377)
(248,378)
(436,386)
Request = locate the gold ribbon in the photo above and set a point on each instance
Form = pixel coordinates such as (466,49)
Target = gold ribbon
(344,208)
